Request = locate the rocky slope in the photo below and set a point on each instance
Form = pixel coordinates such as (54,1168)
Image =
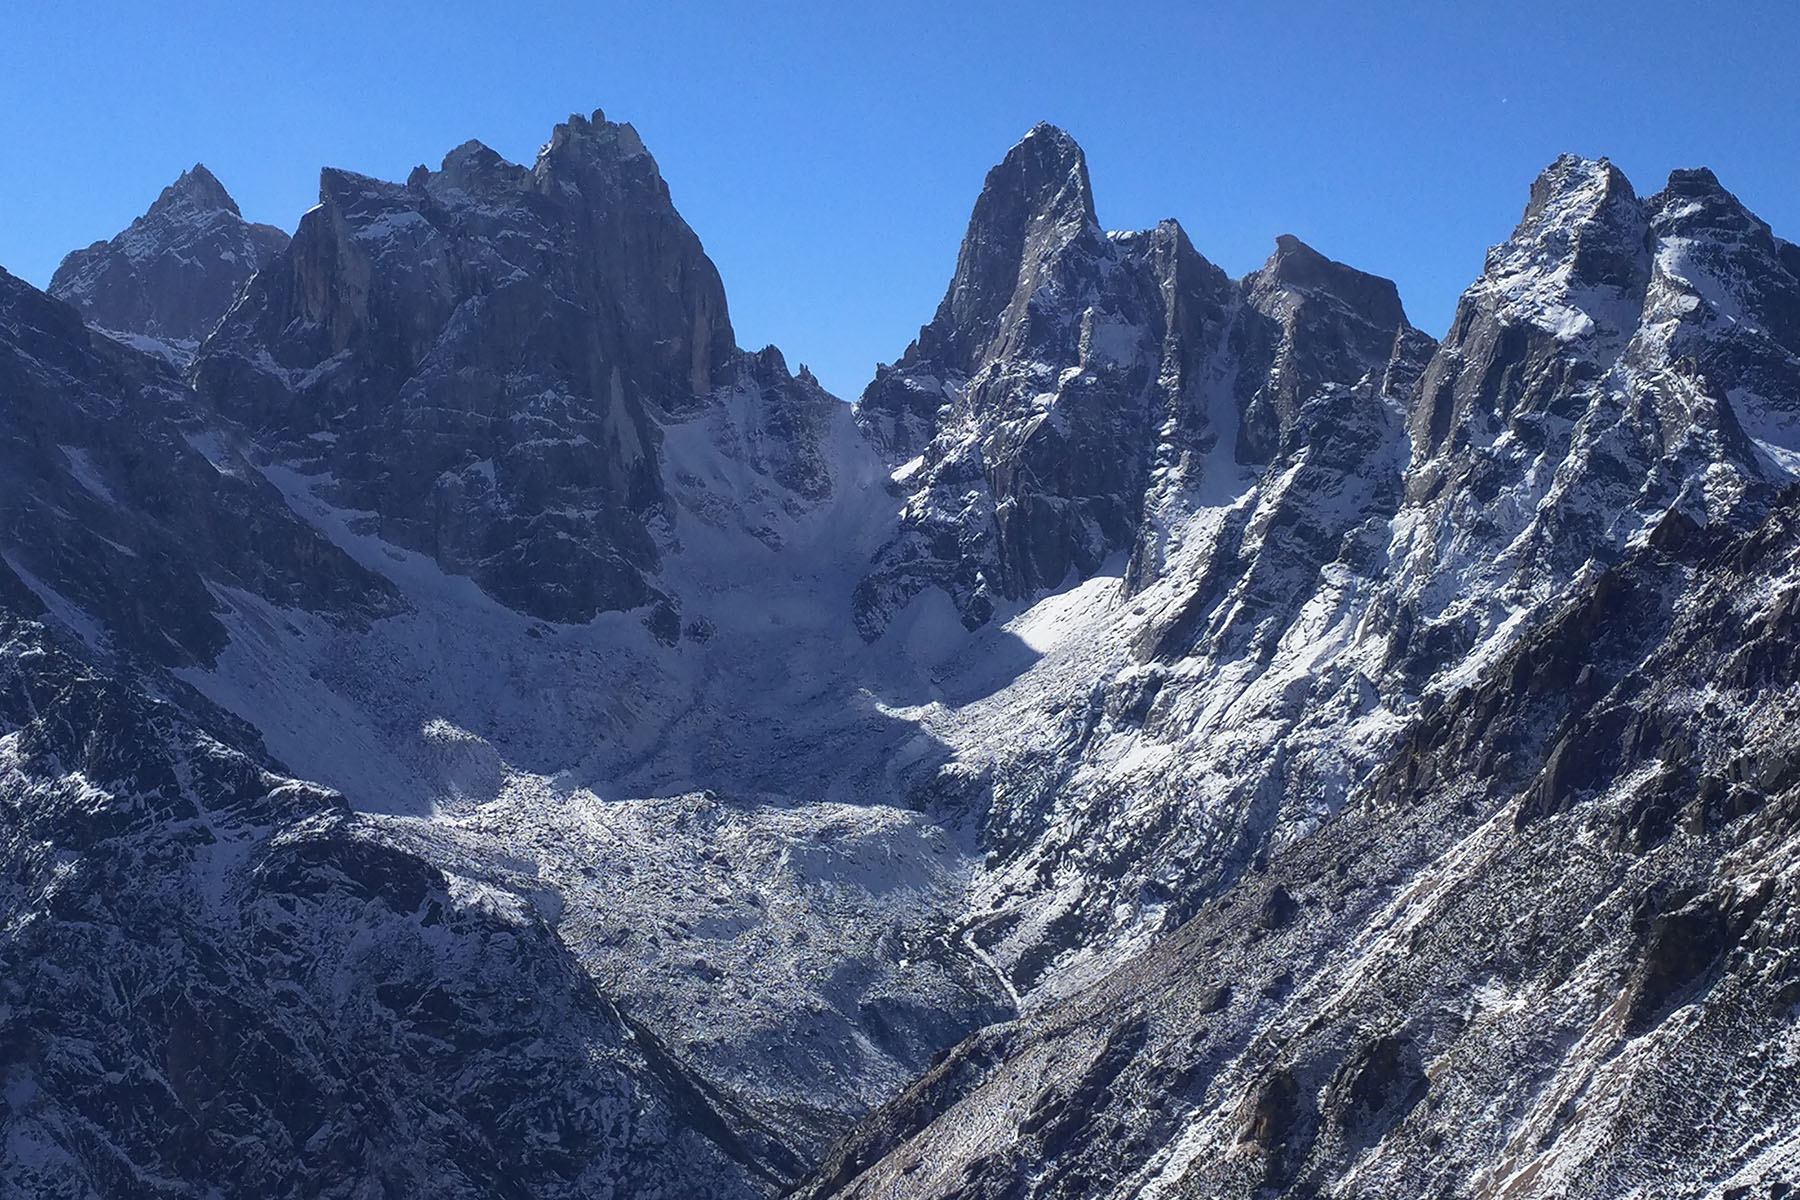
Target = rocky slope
(165,282)
(1428,978)
(219,981)
(1175,735)
(1547,950)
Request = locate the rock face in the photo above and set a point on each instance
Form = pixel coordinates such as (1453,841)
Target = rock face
(480,357)
(123,509)
(175,271)
(1073,381)
(1174,737)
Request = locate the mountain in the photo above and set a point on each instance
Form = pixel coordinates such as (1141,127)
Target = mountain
(1485,833)
(481,358)
(171,275)
(1074,382)
(1173,735)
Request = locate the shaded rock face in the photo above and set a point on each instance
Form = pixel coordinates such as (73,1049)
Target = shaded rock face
(121,509)
(480,356)
(1073,381)
(174,272)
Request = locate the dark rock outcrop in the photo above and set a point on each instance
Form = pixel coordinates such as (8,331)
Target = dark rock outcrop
(175,271)
(480,357)
(122,506)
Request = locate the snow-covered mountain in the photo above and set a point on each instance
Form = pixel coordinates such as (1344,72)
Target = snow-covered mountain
(1174,735)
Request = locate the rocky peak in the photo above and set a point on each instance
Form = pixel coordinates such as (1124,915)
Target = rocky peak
(1556,300)
(1032,239)
(174,271)
(1308,321)
(1034,207)
(1741,268)
(1718,344)
(1694,198)
(1069,385)
(199,188)
(598,140)
(1583,216)
(632,249)
(1194,297)
(474,167)
(485,355)
(1618,358)
(1296,267)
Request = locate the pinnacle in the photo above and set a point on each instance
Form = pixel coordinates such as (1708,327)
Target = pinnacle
(1572,175)
(1297,265)
(1046,173)
(199,187)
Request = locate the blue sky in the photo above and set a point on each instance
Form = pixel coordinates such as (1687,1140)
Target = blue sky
(828,153)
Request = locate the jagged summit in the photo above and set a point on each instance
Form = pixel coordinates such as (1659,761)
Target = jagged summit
(1695,203)
(199,187)
(1684,297)
(1297,265)
(1311,322)
(1583,215)
(1032,207)
(1049,170)
(485,354)
(600,137)
(172,274)
(472,166)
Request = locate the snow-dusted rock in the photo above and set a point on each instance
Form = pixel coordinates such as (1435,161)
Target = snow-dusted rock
(164,282)
(480,358)
(218,981)
(1548,950)
(1175,736)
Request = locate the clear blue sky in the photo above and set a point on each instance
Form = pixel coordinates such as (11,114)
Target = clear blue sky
(828,153)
